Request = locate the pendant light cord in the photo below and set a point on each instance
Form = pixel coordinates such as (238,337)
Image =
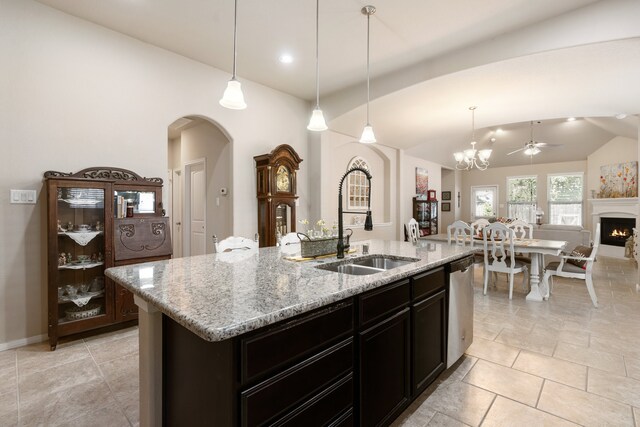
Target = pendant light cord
(317,55)
(368,25)
(235,37)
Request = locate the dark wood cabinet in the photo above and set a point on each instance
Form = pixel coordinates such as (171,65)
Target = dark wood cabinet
(276,184)
(429,315)
(384,369)
(360,361)
(426,213)
(81,232)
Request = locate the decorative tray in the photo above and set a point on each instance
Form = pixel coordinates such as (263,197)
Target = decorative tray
(79,313)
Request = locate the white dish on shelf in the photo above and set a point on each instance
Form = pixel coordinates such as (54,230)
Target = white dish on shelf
(79,313)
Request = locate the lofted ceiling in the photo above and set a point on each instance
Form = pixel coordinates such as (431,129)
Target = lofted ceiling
(517,60)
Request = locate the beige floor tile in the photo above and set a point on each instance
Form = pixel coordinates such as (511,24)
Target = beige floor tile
(616,345)
(109,416)
(7,358)
(8,378)
(130,405)
(633,367)
(553,369)
(508,382)
(458,370)
(103,351)
(493,351)
(582,407)
(586,356)
(487,331)
(636,415)
(533,342)
(36,387)
(441,420)
(620,388)
(39,357)
(112,336)
(416,415)
(65,405)
(507,413)
(8,405)
(123,367)
(461,401)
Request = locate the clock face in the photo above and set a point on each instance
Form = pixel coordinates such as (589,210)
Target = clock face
(283,181)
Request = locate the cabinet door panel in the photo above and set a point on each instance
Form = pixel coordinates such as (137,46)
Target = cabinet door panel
(378,304)
(427,283)
(384,370)
(429,328)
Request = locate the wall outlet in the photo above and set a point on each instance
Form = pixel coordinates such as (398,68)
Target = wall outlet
(23,197)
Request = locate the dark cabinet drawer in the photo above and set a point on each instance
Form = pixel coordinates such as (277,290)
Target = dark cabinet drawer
(428,283)
(281,393)
(284,344)
(346,420)
(327,408)
(429,331)
(379,303)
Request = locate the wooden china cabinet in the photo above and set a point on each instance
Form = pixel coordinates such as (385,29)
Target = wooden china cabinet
(277,193)
(98,218)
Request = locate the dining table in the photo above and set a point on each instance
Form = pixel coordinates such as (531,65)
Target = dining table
(536,248)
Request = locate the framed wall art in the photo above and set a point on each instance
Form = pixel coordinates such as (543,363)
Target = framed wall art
(446,195)
(446,207)
(422,182)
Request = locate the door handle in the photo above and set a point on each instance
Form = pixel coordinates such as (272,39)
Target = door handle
(178,223)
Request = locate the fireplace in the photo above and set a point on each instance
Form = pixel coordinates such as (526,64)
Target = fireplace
(616,231)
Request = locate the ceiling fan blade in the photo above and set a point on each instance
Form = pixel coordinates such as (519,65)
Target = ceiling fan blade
(513,152)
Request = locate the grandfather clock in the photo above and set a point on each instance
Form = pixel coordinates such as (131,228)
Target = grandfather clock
(277,193)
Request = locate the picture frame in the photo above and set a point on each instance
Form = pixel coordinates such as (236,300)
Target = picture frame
(446,207)
(446,195)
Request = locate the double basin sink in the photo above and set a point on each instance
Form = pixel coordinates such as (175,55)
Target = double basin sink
(367,265)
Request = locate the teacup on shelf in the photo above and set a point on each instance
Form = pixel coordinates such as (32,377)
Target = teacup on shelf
(84,287)
(71,290)
(60,291)
(84,258)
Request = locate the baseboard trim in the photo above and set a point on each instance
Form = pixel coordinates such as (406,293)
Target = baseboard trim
(22,342)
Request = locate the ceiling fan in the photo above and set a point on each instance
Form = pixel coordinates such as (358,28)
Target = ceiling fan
(532,147)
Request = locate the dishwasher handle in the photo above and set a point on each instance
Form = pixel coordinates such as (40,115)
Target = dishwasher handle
(461,264)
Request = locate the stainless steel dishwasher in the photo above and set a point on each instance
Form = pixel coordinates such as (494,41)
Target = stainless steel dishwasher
(460,308)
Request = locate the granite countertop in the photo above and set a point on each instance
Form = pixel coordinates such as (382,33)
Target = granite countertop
(219,296)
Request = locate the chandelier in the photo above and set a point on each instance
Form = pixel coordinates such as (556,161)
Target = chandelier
(467,159)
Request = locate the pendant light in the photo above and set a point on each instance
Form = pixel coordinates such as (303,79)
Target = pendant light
(367,134)
(467,160)
(233,97)
(317,123)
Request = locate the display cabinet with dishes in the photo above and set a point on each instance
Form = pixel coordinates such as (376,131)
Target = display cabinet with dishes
(425,211)
(83,214)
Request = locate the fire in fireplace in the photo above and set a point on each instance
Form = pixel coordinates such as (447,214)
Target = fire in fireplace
(615,231)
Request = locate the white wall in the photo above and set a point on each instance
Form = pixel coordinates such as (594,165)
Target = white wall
(498,176)
(408,186)
(75,95)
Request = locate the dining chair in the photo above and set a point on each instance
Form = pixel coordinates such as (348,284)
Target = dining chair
(233,243)
(459,233)
(577,265)
(498,241)
(413,231)
(522,230)
(478,225)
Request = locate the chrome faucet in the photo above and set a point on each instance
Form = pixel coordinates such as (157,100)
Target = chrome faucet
(368,222)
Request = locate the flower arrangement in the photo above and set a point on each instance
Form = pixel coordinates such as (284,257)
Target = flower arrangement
(320,229)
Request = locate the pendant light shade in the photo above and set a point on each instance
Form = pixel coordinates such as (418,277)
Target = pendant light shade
(368,136)
(317,123)
(467,160)
(233,97)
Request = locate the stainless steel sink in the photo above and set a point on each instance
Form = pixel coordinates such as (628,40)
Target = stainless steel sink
(368,265)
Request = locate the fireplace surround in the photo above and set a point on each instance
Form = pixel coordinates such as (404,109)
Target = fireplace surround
(613,209)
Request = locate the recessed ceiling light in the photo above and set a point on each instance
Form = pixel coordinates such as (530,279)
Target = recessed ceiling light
(499,131)
(571,119)
(286,58)
(493,140)
(620,116)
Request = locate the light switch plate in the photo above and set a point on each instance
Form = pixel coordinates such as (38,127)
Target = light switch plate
(22,197)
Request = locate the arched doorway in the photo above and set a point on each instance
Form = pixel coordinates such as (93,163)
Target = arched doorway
(199,184)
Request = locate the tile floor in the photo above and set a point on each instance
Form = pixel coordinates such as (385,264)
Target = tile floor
(558,363)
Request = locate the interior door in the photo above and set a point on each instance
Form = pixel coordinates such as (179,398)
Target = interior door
(195,213)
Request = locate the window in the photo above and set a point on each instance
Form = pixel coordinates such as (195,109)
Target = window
(565,199)
(521,197)
(357,185)
(484,202)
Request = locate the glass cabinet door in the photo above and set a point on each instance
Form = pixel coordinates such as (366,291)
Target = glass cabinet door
(80,248)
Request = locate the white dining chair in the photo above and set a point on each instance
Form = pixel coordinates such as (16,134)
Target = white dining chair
(522,230)
(567,267)
(459,233)
(498,242)
(478,225)
(233,243)
(413,231)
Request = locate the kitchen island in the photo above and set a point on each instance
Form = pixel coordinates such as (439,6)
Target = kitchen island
(250,338)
